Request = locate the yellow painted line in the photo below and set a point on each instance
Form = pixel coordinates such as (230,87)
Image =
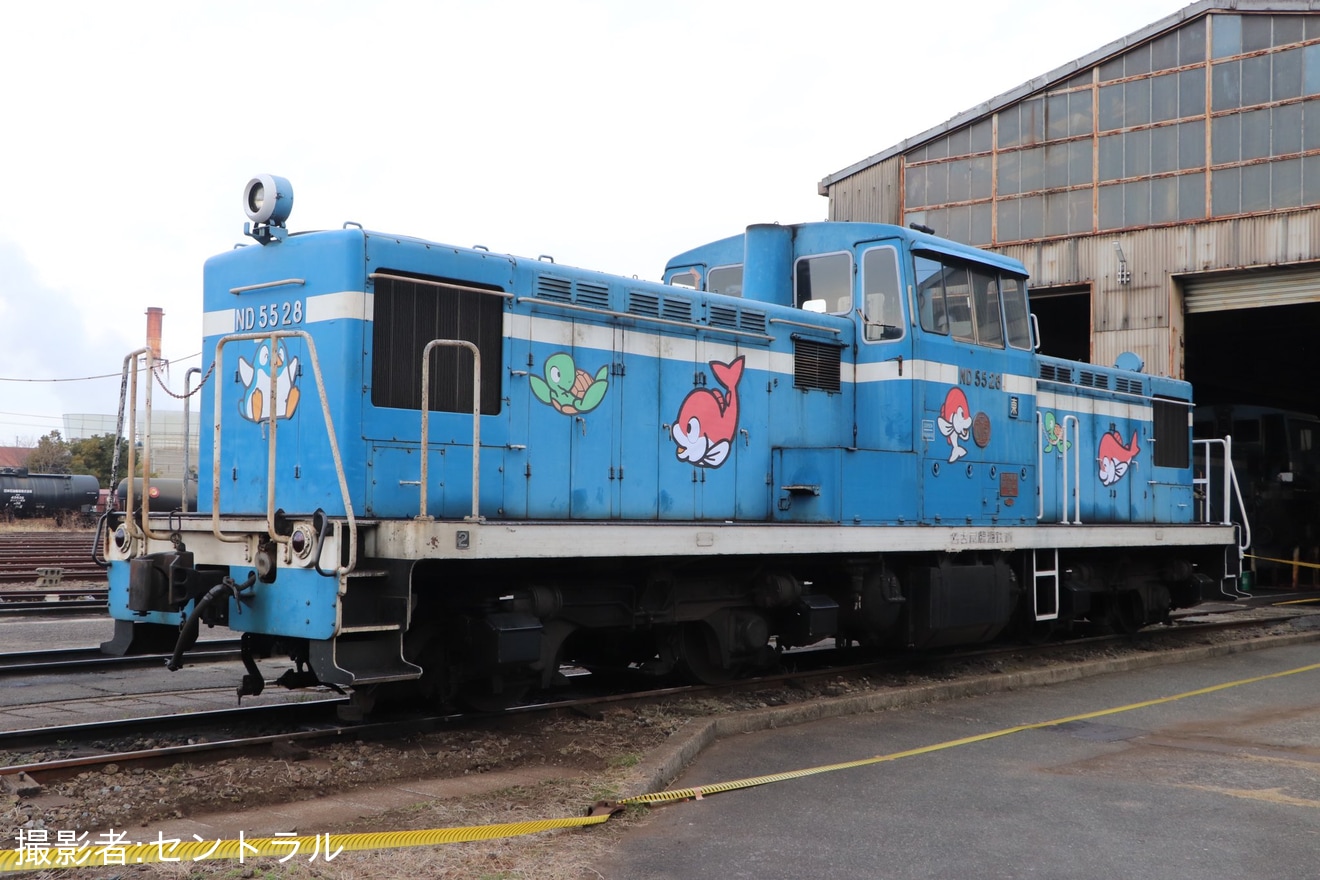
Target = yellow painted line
(86,853)
(1296,602)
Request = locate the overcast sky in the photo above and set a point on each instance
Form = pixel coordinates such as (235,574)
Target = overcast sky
(610,134)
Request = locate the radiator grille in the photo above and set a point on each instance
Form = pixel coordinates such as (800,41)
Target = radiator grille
(816,365)
(408,315)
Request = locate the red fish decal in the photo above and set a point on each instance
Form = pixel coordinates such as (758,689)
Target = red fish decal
(1114,457)
(708,418)
(955,422)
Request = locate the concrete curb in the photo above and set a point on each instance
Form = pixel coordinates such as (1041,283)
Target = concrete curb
(684,745)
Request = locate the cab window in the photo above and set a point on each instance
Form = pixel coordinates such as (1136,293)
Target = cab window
(882,309)
(1013,293)
(824,283)
(965,300)
(727,280)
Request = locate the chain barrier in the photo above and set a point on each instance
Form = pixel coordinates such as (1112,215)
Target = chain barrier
(165,388)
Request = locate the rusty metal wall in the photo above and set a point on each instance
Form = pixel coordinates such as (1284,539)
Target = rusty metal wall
(1145,314)
(873,195)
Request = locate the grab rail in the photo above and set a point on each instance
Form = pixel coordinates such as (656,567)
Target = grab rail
(476,422)
(1229,481)
(273,421)
(1064,446)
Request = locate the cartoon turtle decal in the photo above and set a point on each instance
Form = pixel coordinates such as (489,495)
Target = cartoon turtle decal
(569,389)
(1054,435)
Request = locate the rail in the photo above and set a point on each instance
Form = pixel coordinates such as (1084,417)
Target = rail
(476,422)
(272,421)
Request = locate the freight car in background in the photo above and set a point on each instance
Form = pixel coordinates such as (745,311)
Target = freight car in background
(164,494)
(445,472)
(1276,456)
(24,495)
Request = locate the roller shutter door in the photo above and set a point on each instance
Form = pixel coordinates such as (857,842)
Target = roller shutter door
(1250,290)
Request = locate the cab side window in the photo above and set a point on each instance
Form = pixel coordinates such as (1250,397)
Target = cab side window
(727,280)
(968,301)
(882,298)
(1013,293)
(824,283)
(931,308)
(986,306)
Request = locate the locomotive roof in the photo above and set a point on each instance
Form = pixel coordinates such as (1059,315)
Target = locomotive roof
(832,235)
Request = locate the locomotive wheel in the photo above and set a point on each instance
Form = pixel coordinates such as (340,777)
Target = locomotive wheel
(1126,613)
(699,651)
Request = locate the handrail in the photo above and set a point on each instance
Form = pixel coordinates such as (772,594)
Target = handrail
(1040,469)
(272,421)
(476,422)
(142,524)
(1229,480)
(1077,471)
(1063,484)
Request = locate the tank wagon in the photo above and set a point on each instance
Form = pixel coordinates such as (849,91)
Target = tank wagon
(24,494)
(163,493)
(445,471)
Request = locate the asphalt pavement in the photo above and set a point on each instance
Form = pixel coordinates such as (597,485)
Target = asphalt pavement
(1147,775)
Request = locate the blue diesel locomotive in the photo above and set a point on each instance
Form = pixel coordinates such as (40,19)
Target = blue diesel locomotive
(443,471)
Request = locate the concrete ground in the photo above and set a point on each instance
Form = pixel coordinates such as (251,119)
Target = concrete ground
(1219,784)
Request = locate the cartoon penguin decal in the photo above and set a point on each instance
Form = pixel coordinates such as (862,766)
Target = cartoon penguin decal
(708,418)
(1114,457)
(255,379)
(955,422)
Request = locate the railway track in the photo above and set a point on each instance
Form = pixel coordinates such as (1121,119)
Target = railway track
(82,746)
(91,659)
(24,554)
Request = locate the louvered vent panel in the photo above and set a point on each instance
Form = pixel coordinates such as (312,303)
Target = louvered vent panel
(724,316)
(816,365)
(676,309)
(1056,373)
(753,322)
(557,289)
(1094,380)
(409,315)
(1131,386)
(643,304)
(595,295)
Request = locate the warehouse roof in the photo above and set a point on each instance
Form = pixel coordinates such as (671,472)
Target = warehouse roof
(1040,83)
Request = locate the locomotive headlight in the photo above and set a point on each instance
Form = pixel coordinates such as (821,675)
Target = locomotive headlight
(300,542)
(268,199)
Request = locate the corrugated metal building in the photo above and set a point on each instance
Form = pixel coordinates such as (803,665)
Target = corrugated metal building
(1163,191)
